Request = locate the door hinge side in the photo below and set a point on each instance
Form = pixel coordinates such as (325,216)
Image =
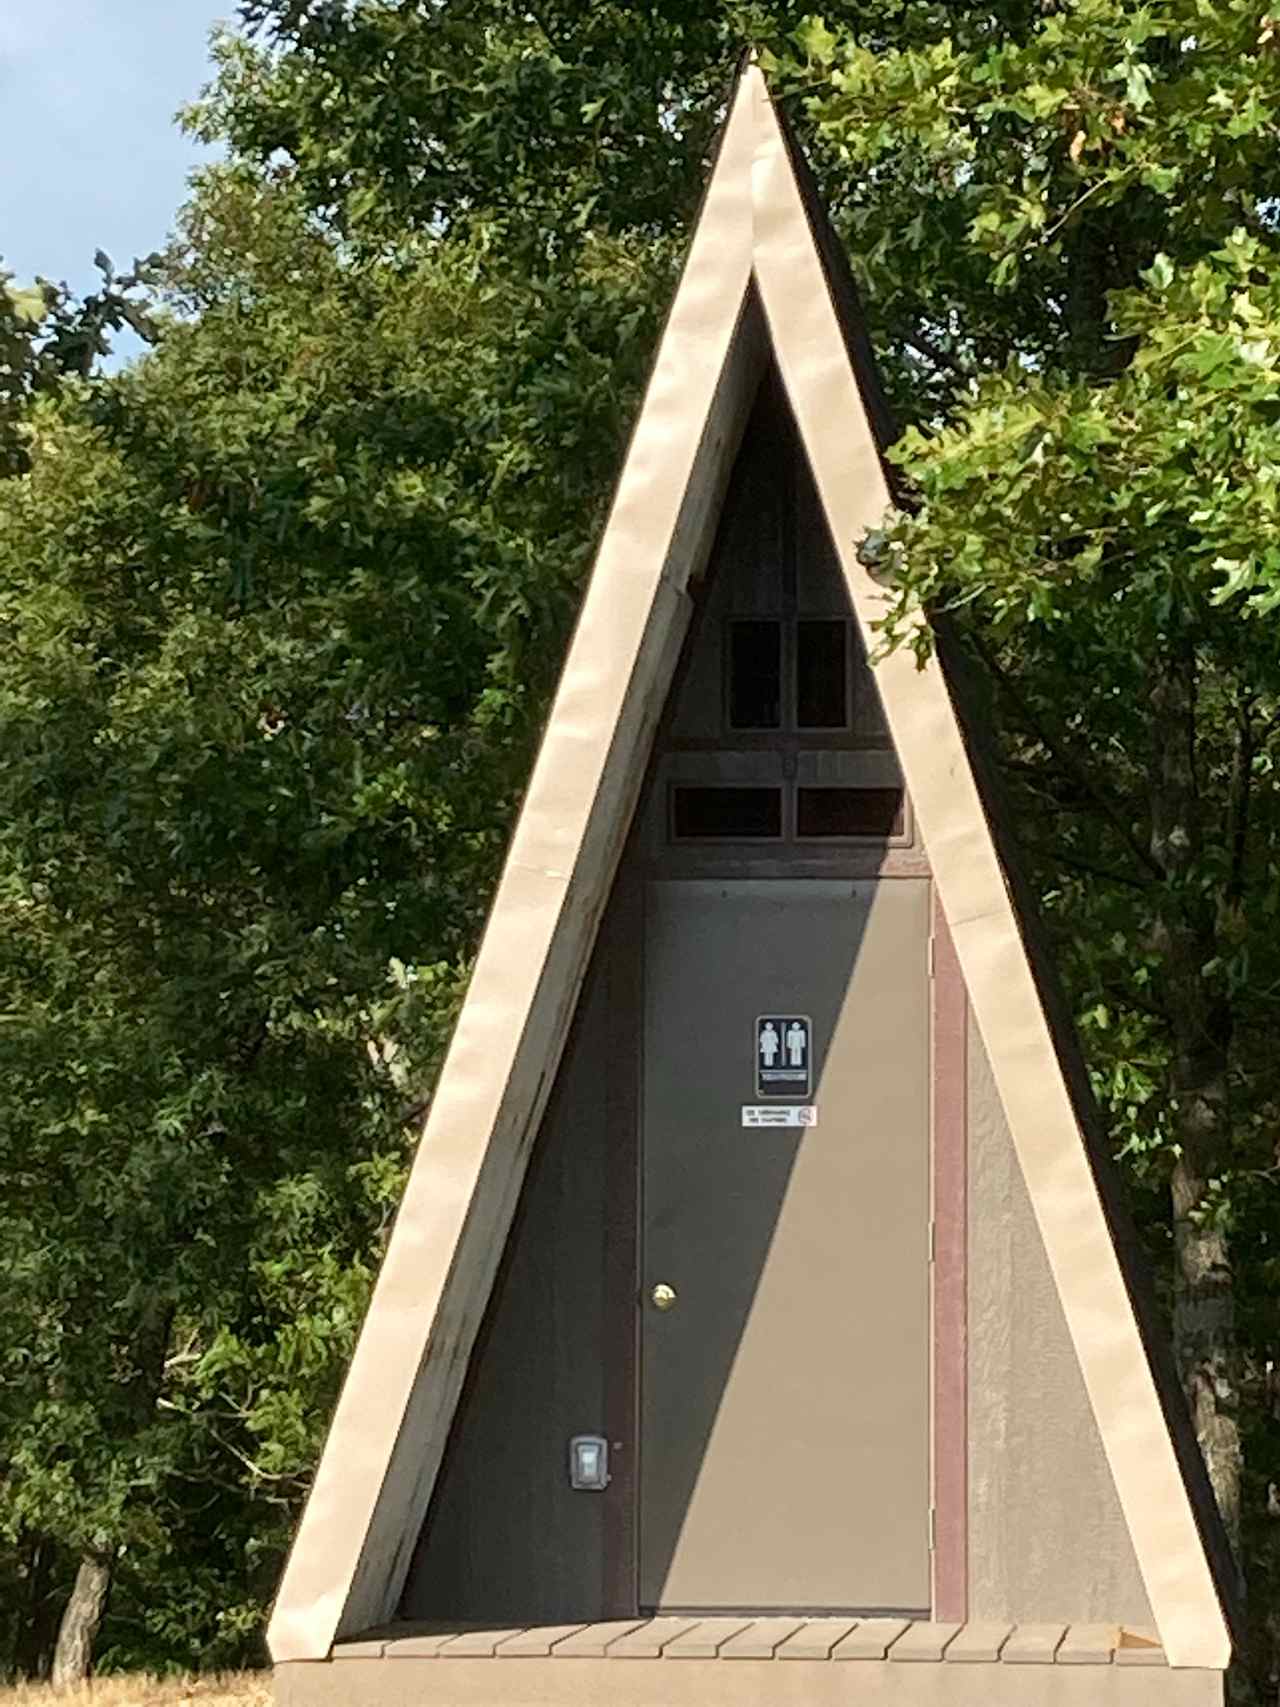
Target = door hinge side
(933,1241)
(933,956)
(933,1529)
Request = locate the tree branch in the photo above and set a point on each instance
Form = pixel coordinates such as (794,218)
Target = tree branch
(1086,867)
(925,346)
(1066,758)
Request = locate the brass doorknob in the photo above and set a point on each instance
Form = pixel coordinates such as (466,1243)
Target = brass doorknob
(663,1296)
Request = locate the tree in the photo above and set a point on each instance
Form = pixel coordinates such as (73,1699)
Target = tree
(46,334)
(277,606)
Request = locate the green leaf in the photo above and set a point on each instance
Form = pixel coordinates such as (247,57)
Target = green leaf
(1138,79)
(27,302)
(815,40)
(1159,275)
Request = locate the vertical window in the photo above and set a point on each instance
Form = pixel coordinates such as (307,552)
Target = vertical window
(822,675)
(755,675)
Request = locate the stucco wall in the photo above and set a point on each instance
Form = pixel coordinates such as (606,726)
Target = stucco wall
(1047,1539)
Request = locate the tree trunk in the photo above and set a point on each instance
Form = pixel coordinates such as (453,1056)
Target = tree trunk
(81,1619)
(83,1614)
(1201,1022)
(1204,1312)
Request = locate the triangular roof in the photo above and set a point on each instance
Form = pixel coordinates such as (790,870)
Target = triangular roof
(758,245)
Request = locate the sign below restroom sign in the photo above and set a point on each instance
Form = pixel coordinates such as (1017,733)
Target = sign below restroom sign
(779,1114)
(784,1056)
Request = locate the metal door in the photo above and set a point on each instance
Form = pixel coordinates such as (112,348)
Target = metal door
(785,1388)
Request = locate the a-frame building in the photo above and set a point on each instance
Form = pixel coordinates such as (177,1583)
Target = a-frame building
(757,1294)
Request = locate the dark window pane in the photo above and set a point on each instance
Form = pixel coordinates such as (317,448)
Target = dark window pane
(822,675)
(849,812)
(755,675)
(748,814)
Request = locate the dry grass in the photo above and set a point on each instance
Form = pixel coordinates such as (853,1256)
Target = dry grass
(239,1689)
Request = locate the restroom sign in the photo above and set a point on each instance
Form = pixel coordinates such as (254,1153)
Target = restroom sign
(784,1056)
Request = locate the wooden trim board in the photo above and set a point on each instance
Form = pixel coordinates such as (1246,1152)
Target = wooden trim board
(676,1681)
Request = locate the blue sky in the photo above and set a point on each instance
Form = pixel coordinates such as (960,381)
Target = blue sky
(91,157)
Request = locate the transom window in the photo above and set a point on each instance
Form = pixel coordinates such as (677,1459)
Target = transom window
(818,812)
(788,674)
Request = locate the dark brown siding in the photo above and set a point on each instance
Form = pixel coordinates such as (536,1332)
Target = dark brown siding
(506,1537)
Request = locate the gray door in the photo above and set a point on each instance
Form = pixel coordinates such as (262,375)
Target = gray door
(785,1392)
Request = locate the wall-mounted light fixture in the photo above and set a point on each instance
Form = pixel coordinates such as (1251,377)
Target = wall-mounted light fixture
(589,1462)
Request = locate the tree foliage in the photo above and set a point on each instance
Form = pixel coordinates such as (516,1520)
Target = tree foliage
(282,601)
(280,608)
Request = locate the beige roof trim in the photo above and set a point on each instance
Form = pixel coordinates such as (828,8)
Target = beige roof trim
(374,1481)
